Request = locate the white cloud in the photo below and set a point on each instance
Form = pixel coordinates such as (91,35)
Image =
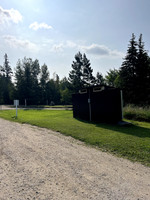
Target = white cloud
(35,26)
(11,15)
(57,47)
(101,50)
(94,49)
(63,45)
(21,44)
(71,44)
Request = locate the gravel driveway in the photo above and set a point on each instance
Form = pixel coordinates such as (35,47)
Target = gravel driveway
(36,163)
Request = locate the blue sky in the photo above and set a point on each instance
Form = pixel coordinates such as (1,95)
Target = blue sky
(53,31)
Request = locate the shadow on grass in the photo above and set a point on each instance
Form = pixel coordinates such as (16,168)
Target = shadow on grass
(131,129)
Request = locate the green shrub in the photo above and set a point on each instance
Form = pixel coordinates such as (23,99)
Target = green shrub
(137,113)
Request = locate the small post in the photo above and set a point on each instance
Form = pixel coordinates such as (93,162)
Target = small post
(121,104)
(16,110)
(89,102)
(16,103)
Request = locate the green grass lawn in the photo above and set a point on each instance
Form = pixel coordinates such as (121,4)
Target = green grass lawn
(132,142)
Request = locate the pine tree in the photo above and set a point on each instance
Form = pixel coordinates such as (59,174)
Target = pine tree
(128,72)
(7,86)
(81,74)
(1,89)
(135,73)
(99,80)
(44,78)
(87,76)
(19,82)
(142,73)
(75,75)
(27,83)
(6,68)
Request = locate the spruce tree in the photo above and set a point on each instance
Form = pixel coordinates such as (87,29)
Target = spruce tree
(99,80)
(6,69)
(81,74)
(75,75)
(19,82)
(142,74)
(87,76)
(27,83)
(128,72)
(7,86)
(135,73)
(44,77)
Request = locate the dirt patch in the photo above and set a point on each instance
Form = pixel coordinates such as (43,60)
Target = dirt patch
(37,163)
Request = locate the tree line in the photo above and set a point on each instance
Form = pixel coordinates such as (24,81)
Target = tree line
(31,83)
(133,77)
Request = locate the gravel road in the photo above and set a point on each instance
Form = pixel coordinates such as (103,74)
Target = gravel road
(36,163)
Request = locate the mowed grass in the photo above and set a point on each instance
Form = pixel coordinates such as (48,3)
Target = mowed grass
(132,142)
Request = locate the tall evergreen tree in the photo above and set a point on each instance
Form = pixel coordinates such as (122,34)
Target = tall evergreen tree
(87,76)
(27,83)
(99,80)
(81,73)
(7,86)
(75,75)
(1,89)
(135,73)
(44,75)
(6,69)
(128,71)
(35,73)
(142,74)
(44,78)
(19,82)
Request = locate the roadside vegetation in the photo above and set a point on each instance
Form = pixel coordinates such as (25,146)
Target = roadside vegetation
(132,142)
(137,113)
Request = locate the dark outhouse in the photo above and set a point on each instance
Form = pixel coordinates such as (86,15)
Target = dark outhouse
(98,103)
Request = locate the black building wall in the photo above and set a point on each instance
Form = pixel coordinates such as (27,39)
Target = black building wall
(99,104)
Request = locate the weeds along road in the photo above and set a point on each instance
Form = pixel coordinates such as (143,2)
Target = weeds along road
(36,163)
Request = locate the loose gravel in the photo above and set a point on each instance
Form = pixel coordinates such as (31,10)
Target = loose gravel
(37,163)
